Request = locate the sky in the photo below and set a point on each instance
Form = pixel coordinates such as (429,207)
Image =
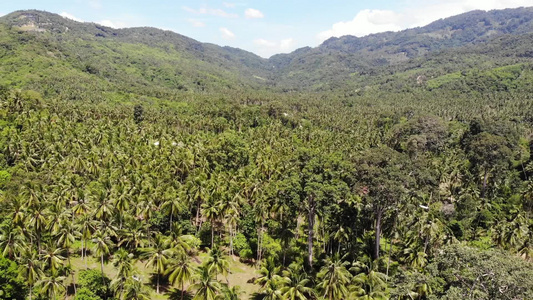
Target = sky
(264,27)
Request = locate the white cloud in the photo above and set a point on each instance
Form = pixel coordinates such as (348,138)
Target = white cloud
(205,10)
(251,13)
(95,4)
(265,43)
(418,13)
(113,24)
(226,33)
(287,45)
(196,23)
(267,48)
(70,16)
(365,22)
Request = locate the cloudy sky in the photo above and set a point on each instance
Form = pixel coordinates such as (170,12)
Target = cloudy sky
(265,27)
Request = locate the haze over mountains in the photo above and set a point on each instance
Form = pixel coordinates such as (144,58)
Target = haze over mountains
(135,54)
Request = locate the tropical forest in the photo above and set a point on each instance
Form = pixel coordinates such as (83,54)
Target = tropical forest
(139,164)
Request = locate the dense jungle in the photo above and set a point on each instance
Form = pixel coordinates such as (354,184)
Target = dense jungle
(141,164)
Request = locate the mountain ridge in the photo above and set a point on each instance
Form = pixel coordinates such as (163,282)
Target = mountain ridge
(345,61)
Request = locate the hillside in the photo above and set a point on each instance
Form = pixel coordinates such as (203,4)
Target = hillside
(128,60)
(353,59)
(133,59)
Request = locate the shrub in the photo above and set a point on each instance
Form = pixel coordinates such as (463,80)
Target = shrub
(12,287)
(93,281)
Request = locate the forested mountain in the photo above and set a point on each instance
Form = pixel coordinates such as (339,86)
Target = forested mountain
(152,58)
(351,59)
(141,164)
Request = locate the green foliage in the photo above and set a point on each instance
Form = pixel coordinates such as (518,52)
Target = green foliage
(86,294)
(482,275)
(271,247)
(93,281)
(5,176)
(138,112)
(11,285)
(240,243)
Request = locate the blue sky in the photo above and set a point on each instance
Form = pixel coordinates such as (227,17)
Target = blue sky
(265,27)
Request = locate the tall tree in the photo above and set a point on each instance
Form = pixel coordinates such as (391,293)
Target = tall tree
(180,271)
(158,255)
(206,285)
(384,179)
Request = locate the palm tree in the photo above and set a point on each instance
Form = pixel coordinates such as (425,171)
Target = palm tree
(134,290)
(296,285)
(87,227)
(81,206)
(231,293)
(286,235)
(104,206)
(269,273)
(334,279)
(206,286)
(196,189)
(211,211)
(342,236)
(369,283)
(52,286)
(52,258)
(12,241)
(217,262)
(66,236)
(158,255)
(101,248)
(172,204)
(17,210)
(121,203)
(37,222)
(123,263)
(270,291)
(30,269)
(181,271)
(134,236)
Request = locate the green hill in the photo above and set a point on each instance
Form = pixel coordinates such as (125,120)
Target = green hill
(155,62)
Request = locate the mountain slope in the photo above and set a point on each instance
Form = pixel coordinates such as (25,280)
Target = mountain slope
(140,57)
(339,59)
(45,51)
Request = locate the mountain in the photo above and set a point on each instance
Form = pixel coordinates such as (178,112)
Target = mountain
(342,59)
(45,51)
(129,60)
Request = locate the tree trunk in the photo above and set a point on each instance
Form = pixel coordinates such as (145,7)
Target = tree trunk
(485,178)
(285,246)
(311,216)
(102,268)
(391,238)
(531,150)
(182,289)
(72,273)
(212,233)
(231,240)
(157,288)
(81,249)
(379,214)
(198,216)
(171,220)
